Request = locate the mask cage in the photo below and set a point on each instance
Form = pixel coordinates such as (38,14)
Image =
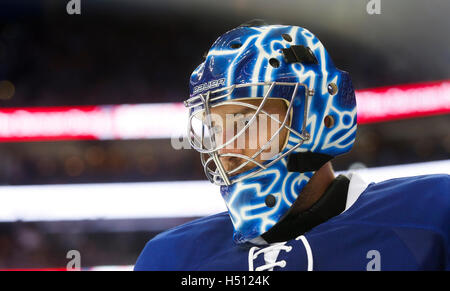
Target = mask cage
(202,133)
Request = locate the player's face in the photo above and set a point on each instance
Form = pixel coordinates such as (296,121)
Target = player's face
(230,119)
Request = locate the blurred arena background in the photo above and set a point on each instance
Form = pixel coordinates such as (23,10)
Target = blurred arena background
(89,103)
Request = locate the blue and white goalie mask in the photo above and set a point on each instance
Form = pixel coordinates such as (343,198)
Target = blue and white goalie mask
(267,109)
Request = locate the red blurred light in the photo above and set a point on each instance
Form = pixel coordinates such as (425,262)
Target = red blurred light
(165,120)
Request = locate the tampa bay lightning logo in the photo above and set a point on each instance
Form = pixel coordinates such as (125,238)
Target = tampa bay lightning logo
(250,63)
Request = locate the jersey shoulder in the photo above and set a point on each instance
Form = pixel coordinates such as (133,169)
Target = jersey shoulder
(180,247)
(414,191)
(419,201)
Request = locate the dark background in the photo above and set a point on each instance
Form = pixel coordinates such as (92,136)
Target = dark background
(119,52)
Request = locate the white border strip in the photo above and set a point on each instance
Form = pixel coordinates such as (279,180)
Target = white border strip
(389,172)
(109,201)
(146,200)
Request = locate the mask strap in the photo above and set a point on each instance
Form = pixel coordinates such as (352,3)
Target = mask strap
(307,161)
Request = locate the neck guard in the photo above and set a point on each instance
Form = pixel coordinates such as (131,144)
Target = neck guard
(330,204)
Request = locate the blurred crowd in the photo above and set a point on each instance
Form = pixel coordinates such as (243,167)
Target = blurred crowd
(109,59)
(155,160)
(120,58)
(105,59)
(32,246)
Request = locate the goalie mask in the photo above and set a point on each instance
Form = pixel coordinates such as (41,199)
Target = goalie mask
(248,72)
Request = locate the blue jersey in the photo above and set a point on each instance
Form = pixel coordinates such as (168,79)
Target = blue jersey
(399,224)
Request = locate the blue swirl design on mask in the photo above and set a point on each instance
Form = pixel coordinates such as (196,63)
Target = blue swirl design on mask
(245,200)
(249,63)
